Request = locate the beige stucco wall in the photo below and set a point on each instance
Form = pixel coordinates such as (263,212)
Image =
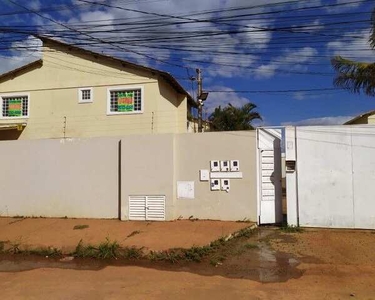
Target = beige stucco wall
(150,166)
(80,177)
(147,164)
(194,152)
(57,178)
(54,107)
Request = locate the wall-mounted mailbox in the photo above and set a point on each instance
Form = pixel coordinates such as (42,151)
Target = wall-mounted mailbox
(204,175)
(225,185)
(215,166)
(215,184)
(234,165)
(224,165)
(290,166)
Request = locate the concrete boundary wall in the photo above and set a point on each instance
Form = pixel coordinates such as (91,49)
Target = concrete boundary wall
(57,178)
(93,178)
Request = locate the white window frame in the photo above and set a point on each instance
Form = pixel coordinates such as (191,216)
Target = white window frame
(14,95)
(80,100)
(124,88)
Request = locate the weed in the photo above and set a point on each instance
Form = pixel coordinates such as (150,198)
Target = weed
(108,249)
(250,246)
(217,260)
(105,250)
(44,251)
(132,253)
(246,232)
(84,251)
(245,220)
(2,246)
(171,255)
(78,227)
(218,243)
(191,218)
(196,253)
(291,229)
(135,232)
(15,248)
(18,217)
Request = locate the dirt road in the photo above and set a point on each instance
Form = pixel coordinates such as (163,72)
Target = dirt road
(317,264)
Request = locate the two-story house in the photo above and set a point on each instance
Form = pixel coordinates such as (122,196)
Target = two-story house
(73,92)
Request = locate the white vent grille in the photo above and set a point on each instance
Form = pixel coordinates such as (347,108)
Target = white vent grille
(137,208)
(150,208)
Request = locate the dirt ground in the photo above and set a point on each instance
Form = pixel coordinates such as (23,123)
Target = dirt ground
(268,264)
(59,233)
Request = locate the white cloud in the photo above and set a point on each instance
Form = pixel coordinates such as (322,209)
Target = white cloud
(290,60)
(356,48)
(339,120)
(222,99)
(344,5)
(23,53)
(34,5)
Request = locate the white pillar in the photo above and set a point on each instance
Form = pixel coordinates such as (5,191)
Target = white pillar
(291,175)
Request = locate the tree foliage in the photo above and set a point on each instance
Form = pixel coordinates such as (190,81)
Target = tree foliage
(356,76)
(232,118)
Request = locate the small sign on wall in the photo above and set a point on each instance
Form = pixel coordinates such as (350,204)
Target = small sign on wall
(185,189)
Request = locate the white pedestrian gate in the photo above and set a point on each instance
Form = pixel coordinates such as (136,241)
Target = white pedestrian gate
(150,208)
(269,176)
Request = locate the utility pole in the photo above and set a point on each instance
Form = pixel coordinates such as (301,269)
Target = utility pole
(199,100)
(201,97)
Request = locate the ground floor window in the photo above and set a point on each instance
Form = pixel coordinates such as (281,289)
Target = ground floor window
(15,106)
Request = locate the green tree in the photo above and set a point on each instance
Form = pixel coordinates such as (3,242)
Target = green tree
(356,76)
(232,118)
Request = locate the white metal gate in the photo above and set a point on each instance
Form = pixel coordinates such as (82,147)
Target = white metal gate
(269,176)
(150,208)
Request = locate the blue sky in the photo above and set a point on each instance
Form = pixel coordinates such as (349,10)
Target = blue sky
(247,50)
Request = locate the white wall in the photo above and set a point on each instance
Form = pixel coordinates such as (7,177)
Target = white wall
(335,176)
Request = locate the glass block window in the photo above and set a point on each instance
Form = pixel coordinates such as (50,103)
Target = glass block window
(85,95)
(15,106)
(122,101)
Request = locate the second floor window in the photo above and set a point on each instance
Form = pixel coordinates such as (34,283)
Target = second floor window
(125,101)
(15,106)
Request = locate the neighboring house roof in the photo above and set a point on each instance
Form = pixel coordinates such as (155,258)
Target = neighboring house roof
(366,114)
(35,64)
(165,75)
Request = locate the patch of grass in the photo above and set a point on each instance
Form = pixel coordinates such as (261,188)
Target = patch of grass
(135,232)
(291,229)
(80,227)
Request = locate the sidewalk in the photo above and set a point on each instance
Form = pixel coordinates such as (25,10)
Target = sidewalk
(59,233)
